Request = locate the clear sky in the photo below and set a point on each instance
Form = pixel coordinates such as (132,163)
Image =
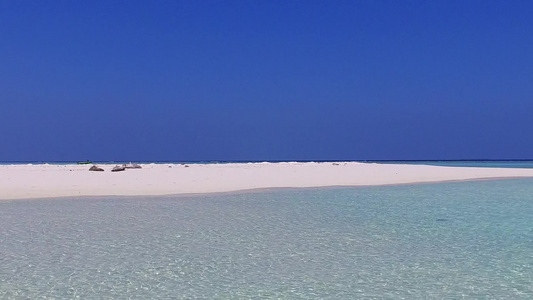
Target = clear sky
(265,80)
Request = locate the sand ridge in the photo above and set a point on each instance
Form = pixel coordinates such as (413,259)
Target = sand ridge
(48,180)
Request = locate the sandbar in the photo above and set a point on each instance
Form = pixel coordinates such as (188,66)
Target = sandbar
(50,180)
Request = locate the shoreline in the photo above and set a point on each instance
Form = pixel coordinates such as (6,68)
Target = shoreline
(31,181)
(267,189)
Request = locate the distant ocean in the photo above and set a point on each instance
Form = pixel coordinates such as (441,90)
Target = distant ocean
(446,163)
(470,240)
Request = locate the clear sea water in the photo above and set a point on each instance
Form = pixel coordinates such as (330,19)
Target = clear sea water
(471,240)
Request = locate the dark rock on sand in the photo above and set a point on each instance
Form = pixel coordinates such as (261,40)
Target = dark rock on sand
(118,168)
(132,166)
(96,168)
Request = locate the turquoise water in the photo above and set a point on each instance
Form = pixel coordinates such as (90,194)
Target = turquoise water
(473,163)
(469,240)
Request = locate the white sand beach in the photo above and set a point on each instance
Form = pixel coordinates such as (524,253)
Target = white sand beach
(45,180)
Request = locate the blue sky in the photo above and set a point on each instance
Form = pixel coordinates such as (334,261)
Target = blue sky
(265,80)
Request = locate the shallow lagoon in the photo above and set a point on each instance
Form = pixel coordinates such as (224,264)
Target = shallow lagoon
(447,240)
